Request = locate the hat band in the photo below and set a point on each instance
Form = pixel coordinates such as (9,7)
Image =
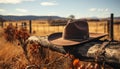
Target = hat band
(76,38)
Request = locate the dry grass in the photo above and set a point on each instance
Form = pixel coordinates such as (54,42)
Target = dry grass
(94,26)
(12,55)
(43,30)
(98,26)
(45,58)
(101,27)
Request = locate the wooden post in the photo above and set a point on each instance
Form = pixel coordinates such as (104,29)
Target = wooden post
(30,26)
(108,24)
(2,23)
(111,28)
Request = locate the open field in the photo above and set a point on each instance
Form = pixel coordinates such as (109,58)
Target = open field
(94,26)
(102,27)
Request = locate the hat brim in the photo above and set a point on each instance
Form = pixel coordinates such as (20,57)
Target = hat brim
(56,38)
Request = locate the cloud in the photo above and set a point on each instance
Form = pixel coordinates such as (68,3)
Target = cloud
(98,9)
(106,9)
(13,1)
(92,9)
(18,14)
(48,3)
(103,9)
(21,10)
(2,10)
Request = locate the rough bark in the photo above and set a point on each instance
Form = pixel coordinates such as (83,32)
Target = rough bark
(87,51)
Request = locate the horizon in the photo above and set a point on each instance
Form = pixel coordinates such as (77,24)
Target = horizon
(79,8)
(60,16)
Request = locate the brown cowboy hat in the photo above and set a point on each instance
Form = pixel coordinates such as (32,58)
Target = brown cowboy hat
(75,32)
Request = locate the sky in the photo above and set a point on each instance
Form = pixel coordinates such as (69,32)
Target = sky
(63,8)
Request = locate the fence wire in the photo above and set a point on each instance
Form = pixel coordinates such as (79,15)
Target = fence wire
(44,29)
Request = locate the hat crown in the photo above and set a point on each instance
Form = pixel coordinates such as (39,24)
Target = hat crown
(76,30)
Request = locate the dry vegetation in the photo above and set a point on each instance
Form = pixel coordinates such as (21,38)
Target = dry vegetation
(12,55)
(44,29)
(101,27)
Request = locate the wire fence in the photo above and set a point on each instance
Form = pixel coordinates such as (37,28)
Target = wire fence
(44,29)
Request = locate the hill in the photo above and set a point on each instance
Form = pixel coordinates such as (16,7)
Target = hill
(10,17)
(30,17)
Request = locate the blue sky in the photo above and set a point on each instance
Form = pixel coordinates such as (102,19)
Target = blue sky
(63,8)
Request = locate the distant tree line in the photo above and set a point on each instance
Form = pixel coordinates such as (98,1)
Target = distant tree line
(58,22)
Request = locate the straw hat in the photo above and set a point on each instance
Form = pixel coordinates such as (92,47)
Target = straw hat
(75,32)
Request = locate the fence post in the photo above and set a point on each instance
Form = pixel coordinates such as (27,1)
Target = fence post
(111,28)
(2,23)
(30,26)
(108,24)
(105,28)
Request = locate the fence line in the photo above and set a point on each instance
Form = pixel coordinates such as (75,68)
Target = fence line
(45,29)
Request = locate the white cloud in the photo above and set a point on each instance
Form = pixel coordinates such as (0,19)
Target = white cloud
(98,9)
(48,3)
(92,9)
(106,9)
(21,10)
(103,9)
(21,14)
(13,1)
(16,14)
(2,10)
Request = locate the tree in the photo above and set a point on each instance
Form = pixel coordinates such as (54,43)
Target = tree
(71,17)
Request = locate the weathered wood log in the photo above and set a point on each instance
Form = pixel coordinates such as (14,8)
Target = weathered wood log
(88,50)
(43,42)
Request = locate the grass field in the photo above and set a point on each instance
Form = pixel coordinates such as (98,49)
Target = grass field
(94,27)
(102,27)
(45,29)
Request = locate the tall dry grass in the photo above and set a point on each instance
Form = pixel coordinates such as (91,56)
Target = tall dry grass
(12,56)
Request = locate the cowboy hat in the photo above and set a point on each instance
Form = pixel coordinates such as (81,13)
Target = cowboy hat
(75,32)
